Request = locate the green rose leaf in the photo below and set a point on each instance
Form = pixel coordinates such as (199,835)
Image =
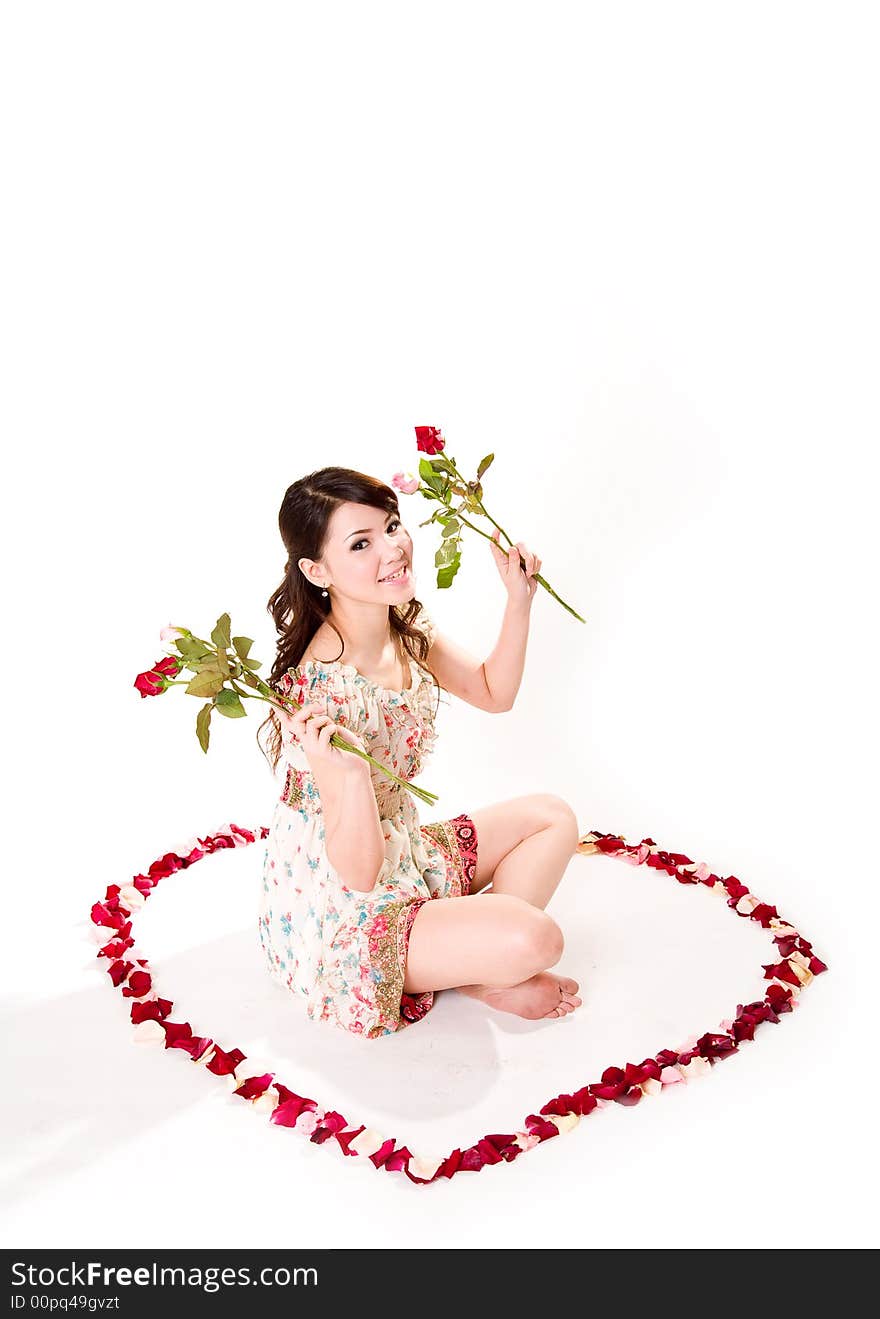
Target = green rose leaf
(207,682)
(190,649)
(447,552)
(203,726)
(242,646)
(430,477)
(446,574)
(484,463)
(220,636)
(228,703)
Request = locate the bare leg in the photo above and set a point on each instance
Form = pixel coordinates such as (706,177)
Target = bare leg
(505,945)
(532,870)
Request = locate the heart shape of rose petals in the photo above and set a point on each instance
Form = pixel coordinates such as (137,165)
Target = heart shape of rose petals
(793,966)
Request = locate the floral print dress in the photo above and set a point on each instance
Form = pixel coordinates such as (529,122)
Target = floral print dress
(344,950)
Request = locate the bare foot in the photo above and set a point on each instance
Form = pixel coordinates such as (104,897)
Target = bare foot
(535,998)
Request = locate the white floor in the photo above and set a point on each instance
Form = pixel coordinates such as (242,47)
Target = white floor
(119,1143)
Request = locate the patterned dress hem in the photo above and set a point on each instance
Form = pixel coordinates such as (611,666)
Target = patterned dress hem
(389,933)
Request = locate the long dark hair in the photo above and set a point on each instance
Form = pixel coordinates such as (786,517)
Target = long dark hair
(297,605)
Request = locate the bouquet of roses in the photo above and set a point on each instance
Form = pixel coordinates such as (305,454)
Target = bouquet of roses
(224,673)
(440,481)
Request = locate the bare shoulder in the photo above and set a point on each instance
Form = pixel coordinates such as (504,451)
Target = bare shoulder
(323,647)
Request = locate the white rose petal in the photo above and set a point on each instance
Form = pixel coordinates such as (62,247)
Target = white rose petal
(697,1066)
(206,1056)
(131,897)
(563,1121)
(268,1100)
(746,904)
(104,934)
(421,1167)
(148,1032)
(368,1142)
(652,1086)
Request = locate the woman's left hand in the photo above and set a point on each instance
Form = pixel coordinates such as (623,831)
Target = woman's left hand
(519,581)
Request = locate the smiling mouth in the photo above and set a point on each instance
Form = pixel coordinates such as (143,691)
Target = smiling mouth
(393,577)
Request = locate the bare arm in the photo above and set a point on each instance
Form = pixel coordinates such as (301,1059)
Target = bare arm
(353,832)
(504,667)
(352,829)
(493,684)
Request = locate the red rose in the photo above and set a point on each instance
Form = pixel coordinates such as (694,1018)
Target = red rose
(429,439)
(153,682)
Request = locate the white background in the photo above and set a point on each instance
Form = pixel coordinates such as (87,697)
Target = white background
(631,249)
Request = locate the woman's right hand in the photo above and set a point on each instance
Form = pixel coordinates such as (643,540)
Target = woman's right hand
(311,728)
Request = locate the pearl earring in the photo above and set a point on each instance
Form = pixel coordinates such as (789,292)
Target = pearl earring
(323,592)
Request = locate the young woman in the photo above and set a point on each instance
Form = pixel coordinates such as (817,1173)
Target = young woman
(365,911)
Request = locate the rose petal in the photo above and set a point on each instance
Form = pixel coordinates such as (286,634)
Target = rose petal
(423,1167)
(670,1075)
(525,1140)
(696,1067)
(309,1120)
(564,1121)
(131,897)
(148,1032)
(368,1142)
(268,1100)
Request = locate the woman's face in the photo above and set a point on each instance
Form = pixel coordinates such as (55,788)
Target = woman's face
(364,545)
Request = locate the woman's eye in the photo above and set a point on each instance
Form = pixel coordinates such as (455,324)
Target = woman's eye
(395,522)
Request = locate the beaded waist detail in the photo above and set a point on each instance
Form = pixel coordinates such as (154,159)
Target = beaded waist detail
(300,791)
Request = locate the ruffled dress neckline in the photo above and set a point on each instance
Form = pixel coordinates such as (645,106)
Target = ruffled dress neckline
(417,673)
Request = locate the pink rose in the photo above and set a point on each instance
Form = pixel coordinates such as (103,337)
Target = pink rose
(405,482)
